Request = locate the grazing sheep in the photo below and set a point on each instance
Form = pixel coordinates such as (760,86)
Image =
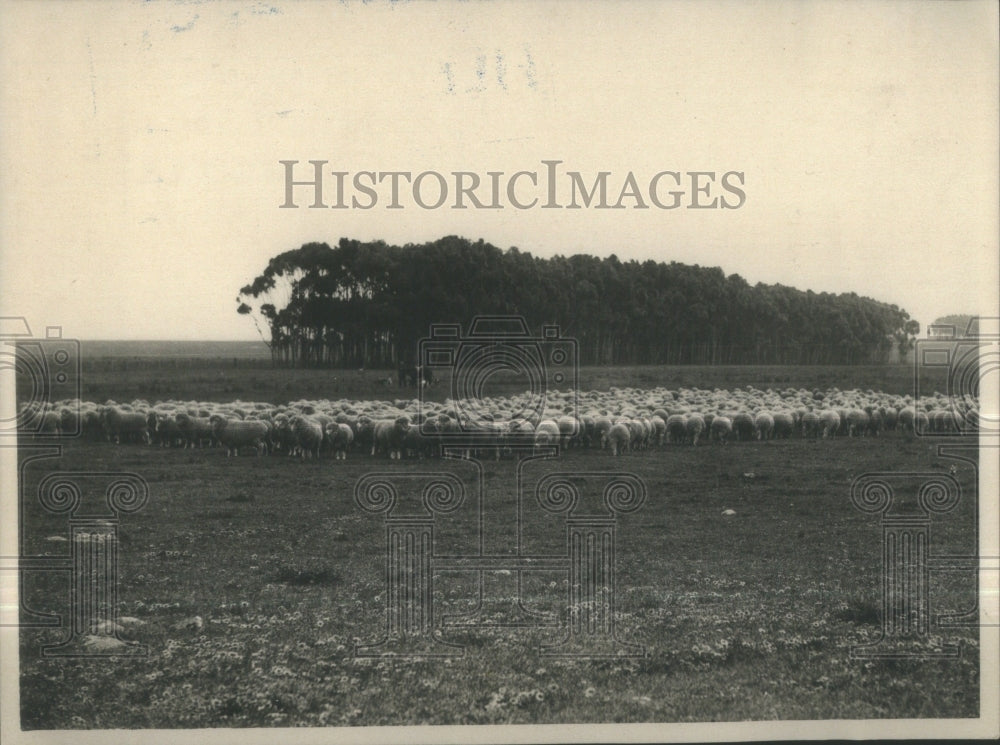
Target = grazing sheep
(547,433)
(659,429)
(830,422)
(722,429)
(236,433)
(743,426)
(130,425)
(676,428)
(308,435)
(389,436)
(763,425)
(811,425)
(876,421)
(195,430)
(618,439)
(569,429)
(890,418)
(857,422)
(694,426)
(167,433)
(921,422)
(784,424)
(340,436)
(587,431)
(602,425)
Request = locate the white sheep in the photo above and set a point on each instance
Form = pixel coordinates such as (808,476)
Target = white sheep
(340,436)
(308,435)
(547,433)
(120,423)
(659,429)
(743,426)
(236,433)
(195,430)
(722,429)
(857,422)
(811,424)
(389,436)
(829,422)
(784,424)
(763,425)
(694,425)
(676,428)
(618,439)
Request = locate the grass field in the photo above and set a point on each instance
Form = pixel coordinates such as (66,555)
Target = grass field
(749,616)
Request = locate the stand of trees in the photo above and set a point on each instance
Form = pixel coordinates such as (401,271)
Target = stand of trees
(368,304)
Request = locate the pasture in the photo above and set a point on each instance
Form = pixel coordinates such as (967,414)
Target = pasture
(744,616)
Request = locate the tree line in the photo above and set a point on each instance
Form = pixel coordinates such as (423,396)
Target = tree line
(368,304)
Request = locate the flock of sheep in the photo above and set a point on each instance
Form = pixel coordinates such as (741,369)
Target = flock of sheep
(619,421)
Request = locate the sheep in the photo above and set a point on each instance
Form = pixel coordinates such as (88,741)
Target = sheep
(119,423)
(195,430)
(694,426)
(830,422)
(876,422)
(676,428)
(857,422)
(587,431)
(722,429)
(906,418)
(811,425)
(569,429)
(167,432)
(618,439)
(659,429)
(364,433)
(890,417)
(784,424)
(763,425)
(34,419)
(308,435)
(637,434)
(389,436)
(236,433)
(547,433)
(743,426)
(340,436)
(921,422)
(602,425)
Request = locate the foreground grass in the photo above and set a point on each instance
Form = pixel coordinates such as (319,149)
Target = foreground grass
(742,617)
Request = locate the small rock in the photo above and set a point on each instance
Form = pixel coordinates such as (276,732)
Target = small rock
(729,512)
(131,621)
(104,643)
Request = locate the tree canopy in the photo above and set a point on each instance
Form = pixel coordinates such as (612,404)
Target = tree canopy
(368,304)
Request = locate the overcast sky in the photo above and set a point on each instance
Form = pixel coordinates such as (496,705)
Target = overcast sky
(141,184)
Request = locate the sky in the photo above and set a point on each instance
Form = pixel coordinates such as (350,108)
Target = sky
(141,143)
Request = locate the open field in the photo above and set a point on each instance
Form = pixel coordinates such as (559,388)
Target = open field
(749,616)
(215,378)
